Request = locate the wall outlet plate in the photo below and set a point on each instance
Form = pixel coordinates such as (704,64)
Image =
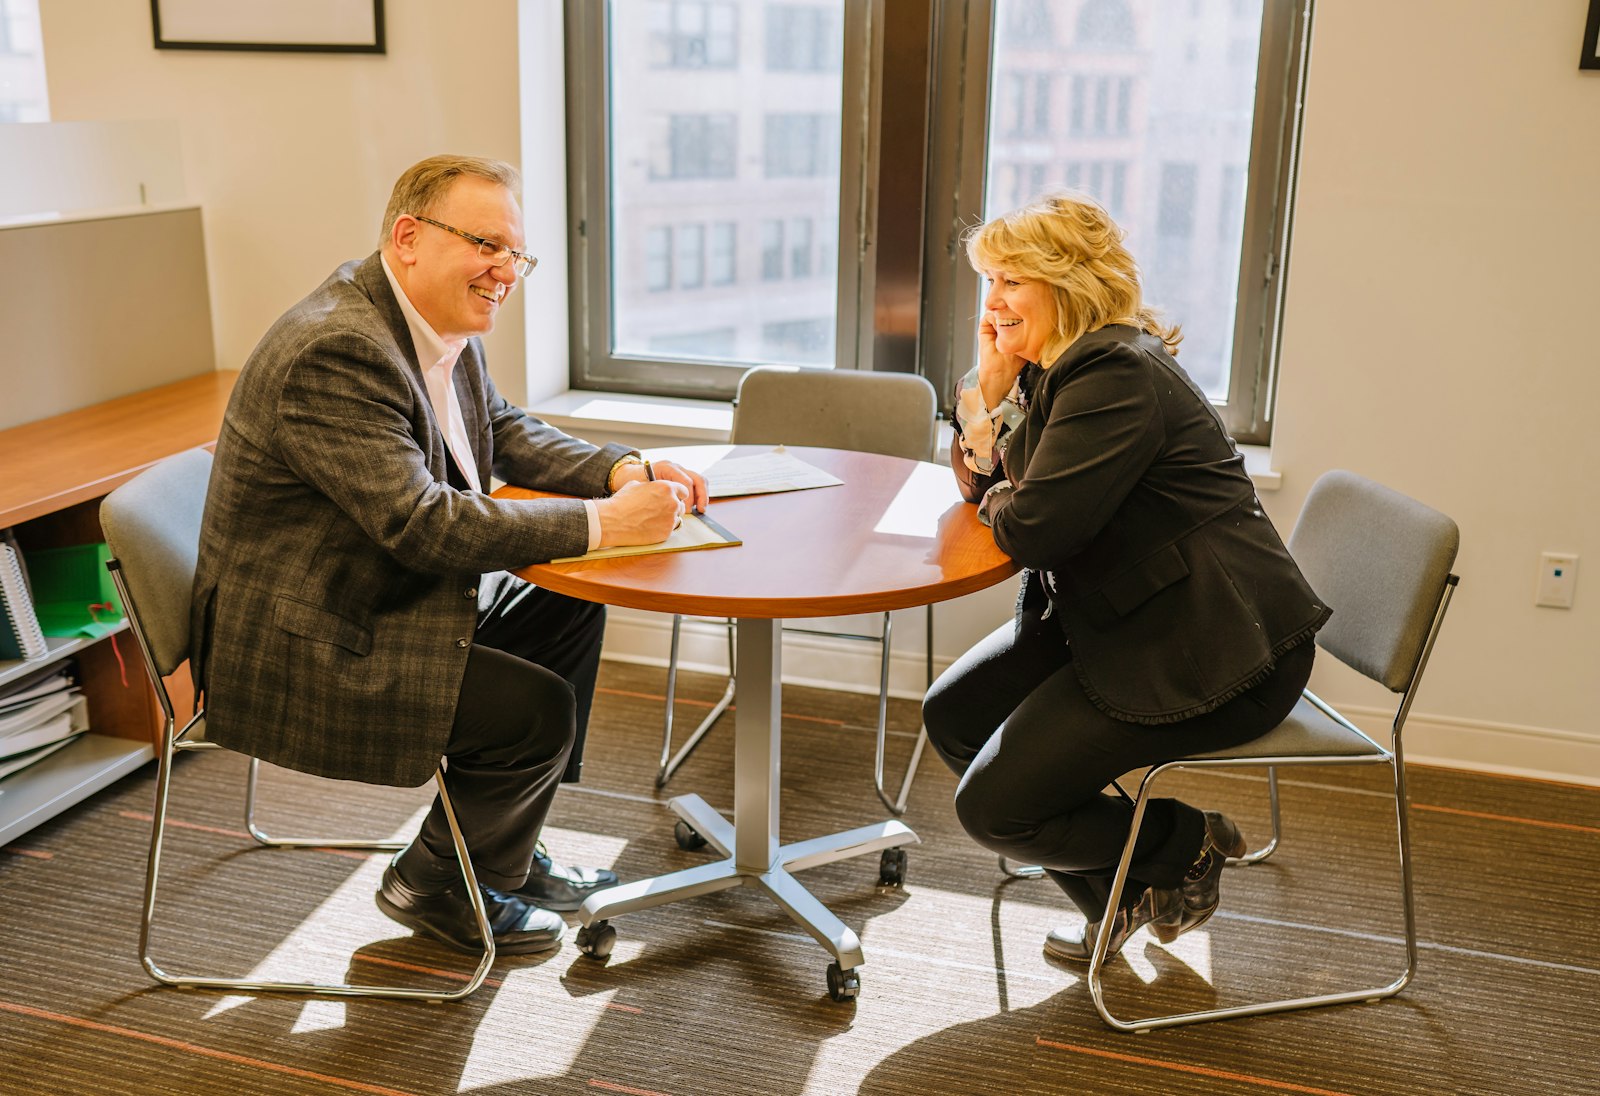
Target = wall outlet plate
(1558,579)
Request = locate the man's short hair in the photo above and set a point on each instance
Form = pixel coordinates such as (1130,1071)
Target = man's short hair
(420,188)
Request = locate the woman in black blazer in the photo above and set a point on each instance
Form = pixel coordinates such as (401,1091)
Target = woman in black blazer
(1160,613)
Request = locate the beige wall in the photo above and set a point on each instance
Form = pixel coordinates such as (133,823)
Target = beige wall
(1439,337)
(1437,334)
(292,155)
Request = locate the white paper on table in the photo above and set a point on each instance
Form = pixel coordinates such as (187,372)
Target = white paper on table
(764,474)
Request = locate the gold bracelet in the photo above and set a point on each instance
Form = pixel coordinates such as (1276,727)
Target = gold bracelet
(626,458)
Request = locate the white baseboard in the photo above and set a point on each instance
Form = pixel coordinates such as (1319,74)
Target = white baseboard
(815,661)
(1509,749)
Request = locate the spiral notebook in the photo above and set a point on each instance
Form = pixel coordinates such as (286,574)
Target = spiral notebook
(20,636)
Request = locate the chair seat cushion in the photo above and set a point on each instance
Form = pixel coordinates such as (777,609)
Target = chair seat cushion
(1307,732)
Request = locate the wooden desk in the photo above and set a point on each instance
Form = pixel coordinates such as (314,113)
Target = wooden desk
(57,470)
(895,535)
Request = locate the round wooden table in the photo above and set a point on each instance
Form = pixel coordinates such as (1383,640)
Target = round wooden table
(894,535)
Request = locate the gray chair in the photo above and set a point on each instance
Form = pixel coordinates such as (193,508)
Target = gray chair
(888,413)
(1383,562)
(152,524)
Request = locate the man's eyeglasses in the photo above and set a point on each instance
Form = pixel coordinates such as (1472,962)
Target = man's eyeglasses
(496,254)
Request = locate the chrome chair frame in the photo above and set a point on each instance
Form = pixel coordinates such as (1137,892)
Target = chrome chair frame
(1350,746)
(174,740)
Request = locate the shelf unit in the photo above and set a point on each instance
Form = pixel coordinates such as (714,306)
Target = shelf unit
(58,470)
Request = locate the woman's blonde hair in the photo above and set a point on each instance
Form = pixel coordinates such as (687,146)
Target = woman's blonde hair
(1067,240)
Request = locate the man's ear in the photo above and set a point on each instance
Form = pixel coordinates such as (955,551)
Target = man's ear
(403,239)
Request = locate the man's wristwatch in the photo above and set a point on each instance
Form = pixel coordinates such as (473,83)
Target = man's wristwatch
(611,476)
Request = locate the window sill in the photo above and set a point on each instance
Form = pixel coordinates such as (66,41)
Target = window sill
(682,420)
(689,421)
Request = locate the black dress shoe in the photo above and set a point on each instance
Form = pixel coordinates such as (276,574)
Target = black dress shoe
(1155,906)
(1202,885)
(560,887)
(518,928)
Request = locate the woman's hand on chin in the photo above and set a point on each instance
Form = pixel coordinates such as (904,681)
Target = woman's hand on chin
(997,370)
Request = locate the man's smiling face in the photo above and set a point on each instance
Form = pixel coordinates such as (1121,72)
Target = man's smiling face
(457,291)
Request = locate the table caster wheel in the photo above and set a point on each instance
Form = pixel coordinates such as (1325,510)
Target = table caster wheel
(892,867)
(843,985)
(688,837)
(597,940)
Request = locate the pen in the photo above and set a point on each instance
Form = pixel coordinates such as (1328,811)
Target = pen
(649,473)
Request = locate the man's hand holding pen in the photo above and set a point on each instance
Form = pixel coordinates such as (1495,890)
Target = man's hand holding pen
(649,502)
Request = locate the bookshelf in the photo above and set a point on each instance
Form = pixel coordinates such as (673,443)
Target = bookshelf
(59,469)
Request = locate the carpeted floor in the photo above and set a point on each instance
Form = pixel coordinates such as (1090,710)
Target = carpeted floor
(723,995)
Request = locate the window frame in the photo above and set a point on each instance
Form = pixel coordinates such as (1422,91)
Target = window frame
(958,160)
(593,365)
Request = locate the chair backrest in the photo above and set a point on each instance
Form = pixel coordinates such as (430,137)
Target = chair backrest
(1381,560)
(152,524)
(888,413)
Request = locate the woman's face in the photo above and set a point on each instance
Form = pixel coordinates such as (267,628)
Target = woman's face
(1023,313)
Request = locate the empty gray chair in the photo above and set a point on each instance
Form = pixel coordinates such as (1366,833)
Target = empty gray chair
(1383,562)
(888,413)
(152,524)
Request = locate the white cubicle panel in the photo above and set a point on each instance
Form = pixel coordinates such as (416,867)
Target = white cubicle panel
(72,166)
(100,305)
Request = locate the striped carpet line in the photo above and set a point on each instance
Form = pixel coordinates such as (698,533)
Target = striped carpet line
(457,976)
(1571,827)
(612,1086)
(1377,938)
(35,854)
(179,824)
(203,1052)
(1422,945)
(1180,1067)
(879,949)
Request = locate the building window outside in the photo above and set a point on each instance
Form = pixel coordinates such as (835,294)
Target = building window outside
(691,260)
(800,247)
(724,252)
(771,250)
(23,94)
(804,342)
(696,146)
(693,34)
(658,259)
(801,145)
(804,38)
(717,342)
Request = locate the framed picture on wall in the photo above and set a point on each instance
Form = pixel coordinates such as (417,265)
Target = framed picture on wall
(293,26)
(1591,39)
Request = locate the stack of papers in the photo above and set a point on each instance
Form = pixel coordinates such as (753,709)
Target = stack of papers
(765,473)
(39,715)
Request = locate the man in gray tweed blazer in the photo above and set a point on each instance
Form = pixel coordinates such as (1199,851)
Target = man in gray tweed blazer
(352,615)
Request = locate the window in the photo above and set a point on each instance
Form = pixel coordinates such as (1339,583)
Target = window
(658,259)
(800,247)
(692,34)
(801,145)
(804,38)
(691,256)
(694,146)
(724,252)
(685,149)
(1196,162)
(23,97)
(798,342)
(771,250)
